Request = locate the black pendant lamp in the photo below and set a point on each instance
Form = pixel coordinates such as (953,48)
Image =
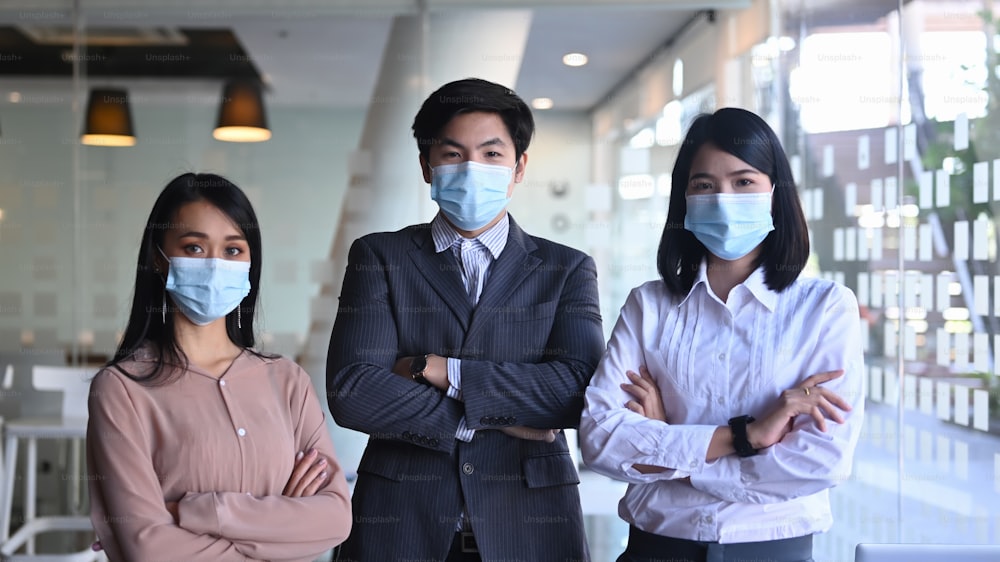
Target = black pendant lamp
(241,113)
(108,121)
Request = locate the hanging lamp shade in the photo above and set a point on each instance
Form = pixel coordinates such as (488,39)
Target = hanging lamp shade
(108,121)
(241,113)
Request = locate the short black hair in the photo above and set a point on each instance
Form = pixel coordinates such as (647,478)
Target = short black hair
(749,138)
(470,95)
(147,321)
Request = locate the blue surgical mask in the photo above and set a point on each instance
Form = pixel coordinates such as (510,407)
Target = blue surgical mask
(730,225)
(206,289)
(470,194)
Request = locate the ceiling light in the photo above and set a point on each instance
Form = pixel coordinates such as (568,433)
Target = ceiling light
(574,59)
(108,121)
(541,103)
(241,113)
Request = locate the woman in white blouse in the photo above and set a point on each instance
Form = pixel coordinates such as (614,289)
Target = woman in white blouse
(730,395)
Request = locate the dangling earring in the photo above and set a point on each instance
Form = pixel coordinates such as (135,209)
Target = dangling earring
(163,309)
(239,317)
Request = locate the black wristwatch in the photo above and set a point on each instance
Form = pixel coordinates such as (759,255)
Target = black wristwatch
(417,368)
(740,440)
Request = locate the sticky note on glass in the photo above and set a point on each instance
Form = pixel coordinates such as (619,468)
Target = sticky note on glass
(980,240)
(961,249)
(943,188)
(891,145)
(827,160)
(961,131)
(926,243)
(981,294)
(864,152)
(877,198)
(926,199)
(850,199)
(980,182)
(890,192)
(909,142)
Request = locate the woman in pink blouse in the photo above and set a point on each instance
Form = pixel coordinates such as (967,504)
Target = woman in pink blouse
(198,446)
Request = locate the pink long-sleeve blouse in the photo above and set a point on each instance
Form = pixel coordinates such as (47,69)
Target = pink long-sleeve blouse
(224,448)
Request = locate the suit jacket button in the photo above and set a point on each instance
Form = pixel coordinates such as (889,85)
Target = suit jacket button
(485,420)
(407,436)
(468,468)
(434,442)
(512,420)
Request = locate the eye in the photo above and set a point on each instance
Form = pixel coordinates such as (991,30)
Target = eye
(451,154)
(701,186)
(193,249)
(493,154)
(233,251)
(744,182)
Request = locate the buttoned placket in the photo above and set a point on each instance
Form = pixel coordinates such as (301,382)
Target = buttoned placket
(225,392)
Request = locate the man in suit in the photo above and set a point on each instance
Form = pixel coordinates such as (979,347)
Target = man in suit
(462,347)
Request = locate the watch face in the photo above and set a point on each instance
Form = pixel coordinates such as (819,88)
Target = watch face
(418,365)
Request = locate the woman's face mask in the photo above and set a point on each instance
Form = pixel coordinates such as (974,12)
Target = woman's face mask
(206,289)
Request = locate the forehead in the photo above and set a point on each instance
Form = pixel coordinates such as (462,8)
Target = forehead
(475,126)
(710,159)
(205,217)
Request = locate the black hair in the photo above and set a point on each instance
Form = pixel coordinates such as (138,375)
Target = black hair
(147,321)
(746,136)
(470,95)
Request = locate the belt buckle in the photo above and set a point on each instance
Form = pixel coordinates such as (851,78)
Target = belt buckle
(469,542)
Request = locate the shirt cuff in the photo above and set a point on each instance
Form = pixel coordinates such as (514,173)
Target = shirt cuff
(455,380)
(463,433)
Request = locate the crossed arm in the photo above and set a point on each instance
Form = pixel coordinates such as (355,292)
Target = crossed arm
(134,522)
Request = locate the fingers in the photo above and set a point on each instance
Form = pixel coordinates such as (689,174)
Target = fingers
(307,469)
(316,472)
(820,378)
(320,479)
(636,407)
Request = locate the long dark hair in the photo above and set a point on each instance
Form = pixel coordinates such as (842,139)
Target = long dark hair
(748,137)
(147,323)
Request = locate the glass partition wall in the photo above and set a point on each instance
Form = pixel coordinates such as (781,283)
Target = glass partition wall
(889,112)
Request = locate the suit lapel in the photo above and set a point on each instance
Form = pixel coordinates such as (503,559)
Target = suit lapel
(508,272)
(441,270)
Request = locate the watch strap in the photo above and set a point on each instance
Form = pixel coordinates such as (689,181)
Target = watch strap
(741,442)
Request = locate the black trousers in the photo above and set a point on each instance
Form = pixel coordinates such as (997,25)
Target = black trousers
(647,547)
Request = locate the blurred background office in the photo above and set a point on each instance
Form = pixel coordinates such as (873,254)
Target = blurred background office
(889,110)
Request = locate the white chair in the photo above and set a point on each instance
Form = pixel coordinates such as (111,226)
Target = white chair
(74,383)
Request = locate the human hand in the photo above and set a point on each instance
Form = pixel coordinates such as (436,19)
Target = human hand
(308,476)
(174,509)
(648,401)
(806,398)
(530,433)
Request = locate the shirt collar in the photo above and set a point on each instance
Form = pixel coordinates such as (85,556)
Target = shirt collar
(755,284)
(494,238)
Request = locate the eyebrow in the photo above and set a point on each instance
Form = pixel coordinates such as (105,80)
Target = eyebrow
(744,171)
(495,141)
(196,234)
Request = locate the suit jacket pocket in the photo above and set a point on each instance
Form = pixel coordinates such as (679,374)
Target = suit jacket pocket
(555,469)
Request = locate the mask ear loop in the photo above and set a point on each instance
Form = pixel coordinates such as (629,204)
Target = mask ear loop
(163,304)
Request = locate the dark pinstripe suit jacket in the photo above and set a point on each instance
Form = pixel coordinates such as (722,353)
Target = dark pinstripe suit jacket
(528,351)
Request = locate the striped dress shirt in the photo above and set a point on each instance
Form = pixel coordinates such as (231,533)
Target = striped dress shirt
(475,255)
